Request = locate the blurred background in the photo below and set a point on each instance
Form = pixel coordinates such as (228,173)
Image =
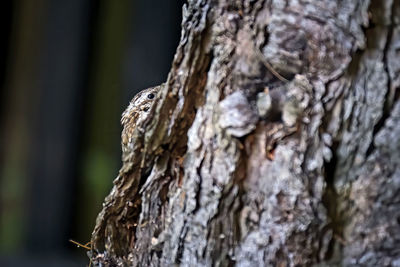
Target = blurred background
(68,69)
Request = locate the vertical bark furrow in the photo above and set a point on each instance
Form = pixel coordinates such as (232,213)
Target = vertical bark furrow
(371,231)
(365,104)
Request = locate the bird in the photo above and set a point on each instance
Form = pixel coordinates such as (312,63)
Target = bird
(137,111)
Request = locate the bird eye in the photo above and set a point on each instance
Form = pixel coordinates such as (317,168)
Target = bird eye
(150,96)
(146,109)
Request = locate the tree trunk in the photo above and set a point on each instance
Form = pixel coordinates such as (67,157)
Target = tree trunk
(275,142)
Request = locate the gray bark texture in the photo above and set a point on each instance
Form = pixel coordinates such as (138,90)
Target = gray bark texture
(274,142)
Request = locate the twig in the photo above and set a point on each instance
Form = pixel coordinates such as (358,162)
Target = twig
(80,245)
(269,67)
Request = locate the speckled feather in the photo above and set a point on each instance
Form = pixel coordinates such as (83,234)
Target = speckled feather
(137,111)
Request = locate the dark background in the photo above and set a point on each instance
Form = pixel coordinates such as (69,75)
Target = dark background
(67,71)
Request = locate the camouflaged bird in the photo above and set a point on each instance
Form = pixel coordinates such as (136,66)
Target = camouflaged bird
(135,113)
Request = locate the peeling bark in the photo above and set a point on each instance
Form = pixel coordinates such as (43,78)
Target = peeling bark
(274,142)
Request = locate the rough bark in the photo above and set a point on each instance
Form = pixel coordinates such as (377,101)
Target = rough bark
(275,142)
